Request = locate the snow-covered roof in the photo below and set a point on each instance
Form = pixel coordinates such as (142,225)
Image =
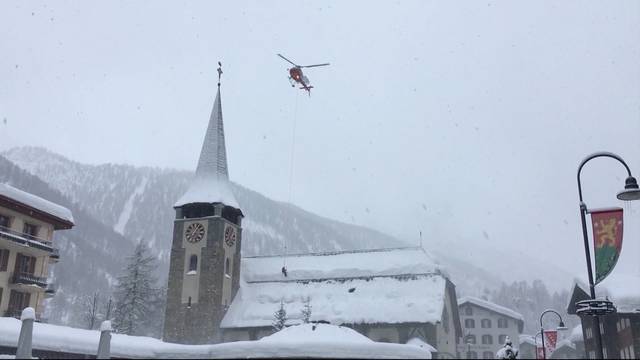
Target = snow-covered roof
(623,289)
(491,306)
(339,265)
(325,341)
(211,183)
(36,202)
(528,339)
(375,300)
(343,288)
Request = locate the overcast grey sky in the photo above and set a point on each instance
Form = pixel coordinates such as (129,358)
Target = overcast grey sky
(466,120)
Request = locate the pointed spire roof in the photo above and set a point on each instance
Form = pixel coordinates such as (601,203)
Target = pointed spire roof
(211,183)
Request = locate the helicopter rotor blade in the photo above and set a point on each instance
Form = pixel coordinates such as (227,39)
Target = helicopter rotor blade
(289,61)
(308,66)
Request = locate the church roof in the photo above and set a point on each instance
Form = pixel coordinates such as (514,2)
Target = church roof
(382,286)
(211,182)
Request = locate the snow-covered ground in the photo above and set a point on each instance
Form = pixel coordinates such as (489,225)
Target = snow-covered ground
(308,340)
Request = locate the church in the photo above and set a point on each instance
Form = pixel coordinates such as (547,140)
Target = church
(215,295)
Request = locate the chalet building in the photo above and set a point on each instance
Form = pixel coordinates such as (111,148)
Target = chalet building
(214,295)
(486,327)
(27,223)
(621,330)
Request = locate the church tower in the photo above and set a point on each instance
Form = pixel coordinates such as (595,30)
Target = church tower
(204,270)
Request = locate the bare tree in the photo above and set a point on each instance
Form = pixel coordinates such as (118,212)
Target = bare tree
(90,312)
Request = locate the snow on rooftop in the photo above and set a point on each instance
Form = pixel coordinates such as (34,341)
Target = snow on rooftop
(623,289)
(327,342)
(211,183)
(208,190)
(491,306)
(348,264)
(36,202)
(419,298)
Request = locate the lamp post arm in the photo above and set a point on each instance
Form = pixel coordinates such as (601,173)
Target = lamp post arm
(548,311)
(596,155)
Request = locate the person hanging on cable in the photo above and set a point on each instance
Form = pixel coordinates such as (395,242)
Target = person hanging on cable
(284,271)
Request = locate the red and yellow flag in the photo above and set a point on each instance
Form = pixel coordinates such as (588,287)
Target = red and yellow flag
(607,239)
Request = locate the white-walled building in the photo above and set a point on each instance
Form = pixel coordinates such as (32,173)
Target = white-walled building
(486,326)
(27,223)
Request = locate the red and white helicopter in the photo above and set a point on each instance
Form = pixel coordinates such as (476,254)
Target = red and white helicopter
(296,75)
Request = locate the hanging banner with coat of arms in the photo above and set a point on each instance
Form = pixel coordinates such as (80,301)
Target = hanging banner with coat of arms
(607,239)
(550,341)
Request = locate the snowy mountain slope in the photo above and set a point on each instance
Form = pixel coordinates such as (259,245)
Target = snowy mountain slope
(138,203)
(91,254)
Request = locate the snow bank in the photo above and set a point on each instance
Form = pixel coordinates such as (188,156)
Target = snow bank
(390,300)
(317,333)
(325,342)
(36,202)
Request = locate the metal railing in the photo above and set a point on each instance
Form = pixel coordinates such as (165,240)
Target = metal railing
(29,279)
(26,239)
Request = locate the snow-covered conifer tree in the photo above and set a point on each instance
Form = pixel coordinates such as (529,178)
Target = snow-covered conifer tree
(136,288)
(280,317)
(306,311)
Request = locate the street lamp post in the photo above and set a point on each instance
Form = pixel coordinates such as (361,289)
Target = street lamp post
(535,342)
(630,192)
(560,327)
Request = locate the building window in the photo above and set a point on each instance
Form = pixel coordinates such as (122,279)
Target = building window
(227,270)
(25,264)
(602,328)
(604,352)
(30,230)
(4,259)
(193,263)
(502,339)
(473,355)
(18,301)
(627,321)
(487,355)
(589,333)
(487,339)
(471,339)
(632,354)
(468,310)
(502,323)
(5,221)
(485,323)
(470,323)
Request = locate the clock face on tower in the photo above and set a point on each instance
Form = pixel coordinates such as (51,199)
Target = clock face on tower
(230,235)
(194,233)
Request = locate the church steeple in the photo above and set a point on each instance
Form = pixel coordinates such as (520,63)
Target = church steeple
(211,183)
(204,268)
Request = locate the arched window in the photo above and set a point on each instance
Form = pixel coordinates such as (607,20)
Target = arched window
(468,310)
(469,323)
(485,323)
(193,263)
(487,339)
(502,323)
(227,269)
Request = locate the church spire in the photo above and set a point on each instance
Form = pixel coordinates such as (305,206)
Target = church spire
(211,183)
